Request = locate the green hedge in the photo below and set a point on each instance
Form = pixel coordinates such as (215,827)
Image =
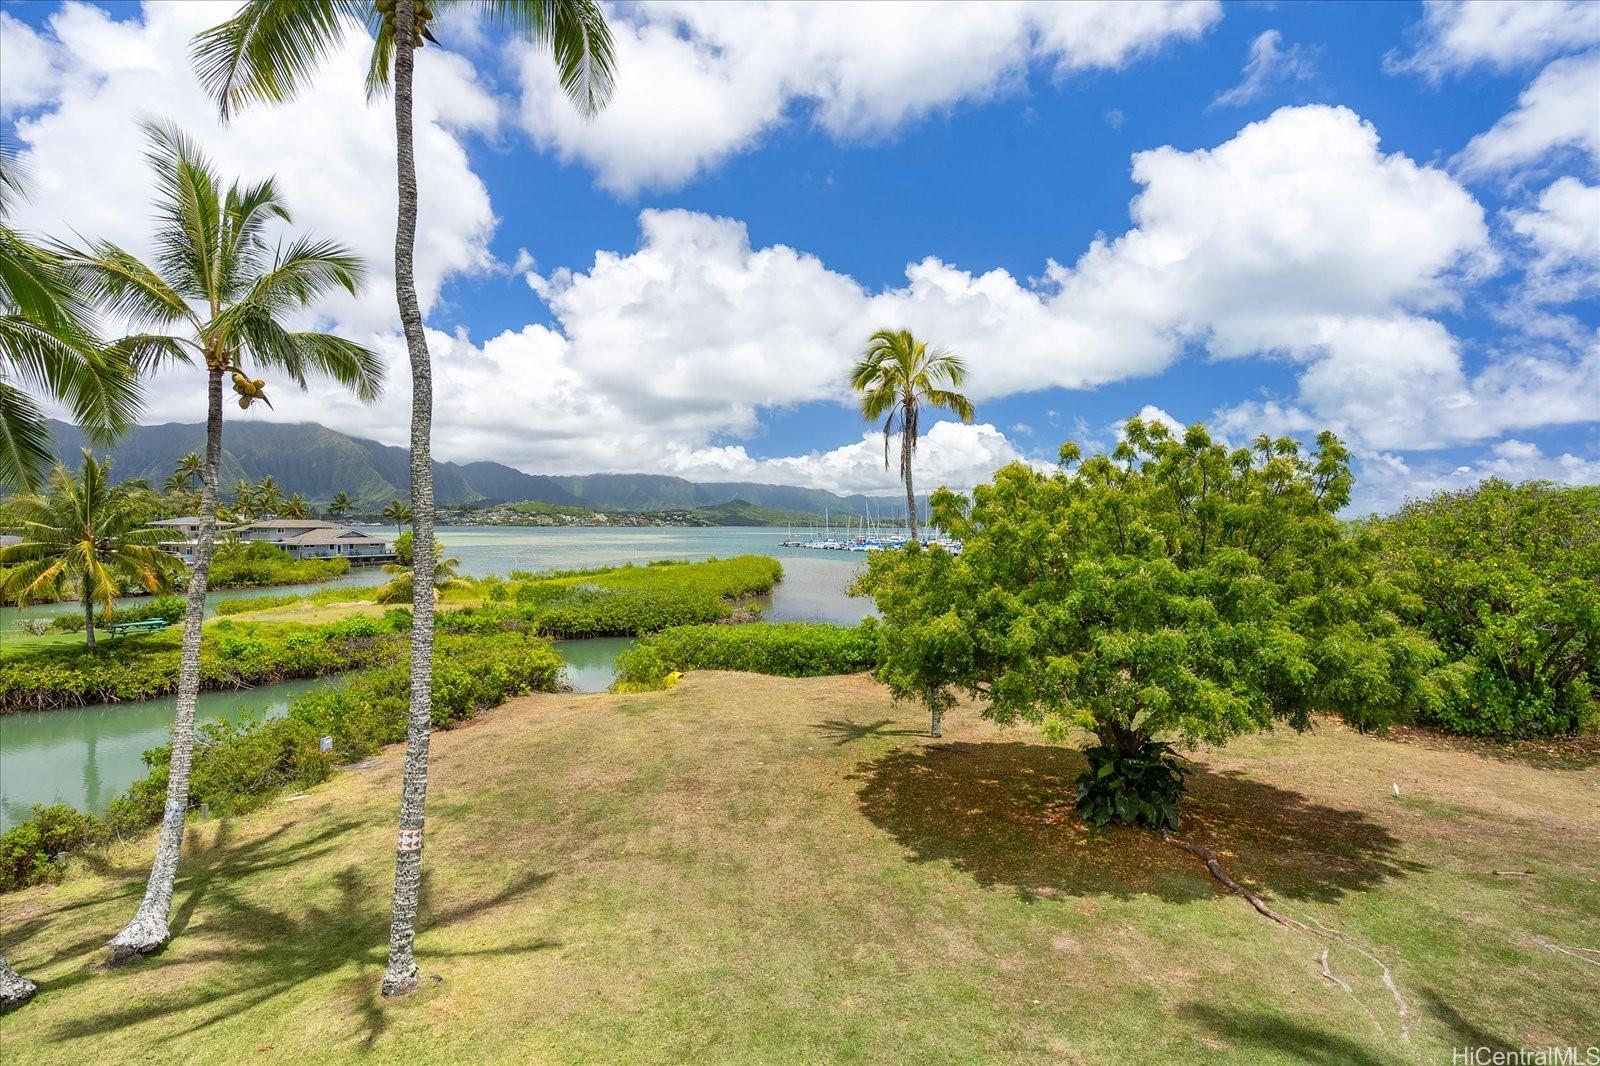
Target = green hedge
(787,649)
(239,766)
(232,655)
(168,607)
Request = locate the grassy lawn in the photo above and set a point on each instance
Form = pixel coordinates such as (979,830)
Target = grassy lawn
(758,869)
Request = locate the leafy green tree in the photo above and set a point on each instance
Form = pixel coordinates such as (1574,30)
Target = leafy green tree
(223,295)
(47,343)
(267,52)
(340,506)
(295,507)
(397,512)
(1170,591)
(1509,580)
(897,376)
(87,536)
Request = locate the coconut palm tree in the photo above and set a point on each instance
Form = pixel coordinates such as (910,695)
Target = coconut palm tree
(88,536)
(400,588)
(295,507)
(397,512)
(268,496)
(268,51)
(46,343)
(896,376)
(340,505)
(220,296)
(244,497)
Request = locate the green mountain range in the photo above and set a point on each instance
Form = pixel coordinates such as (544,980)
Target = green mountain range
(318,462)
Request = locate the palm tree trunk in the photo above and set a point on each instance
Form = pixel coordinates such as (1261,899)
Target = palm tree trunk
(148,929)
(15,989)
(400,976)
(907,441)
(88,614)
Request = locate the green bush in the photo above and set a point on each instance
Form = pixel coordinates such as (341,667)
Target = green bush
(1508,582)
(787,649)
(248,564)
(170,608)
(1142,787)
(31,852)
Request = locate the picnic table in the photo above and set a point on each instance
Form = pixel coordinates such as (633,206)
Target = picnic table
(148,625)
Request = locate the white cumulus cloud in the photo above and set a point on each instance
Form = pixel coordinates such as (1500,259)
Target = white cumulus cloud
(333,155)
(701,81)
(1499,34)
(1559,111)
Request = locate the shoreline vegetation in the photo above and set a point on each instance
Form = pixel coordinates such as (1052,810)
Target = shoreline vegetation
(267,639)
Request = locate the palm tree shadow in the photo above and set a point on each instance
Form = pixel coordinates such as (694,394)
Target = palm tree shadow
(1003,813)
(264,952)
(845,732)
(1281,1037)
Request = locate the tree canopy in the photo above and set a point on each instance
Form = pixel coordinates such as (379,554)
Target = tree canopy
(1509,581)
(1172,589)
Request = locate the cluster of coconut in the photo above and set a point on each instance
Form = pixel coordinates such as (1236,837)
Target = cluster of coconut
(422,14)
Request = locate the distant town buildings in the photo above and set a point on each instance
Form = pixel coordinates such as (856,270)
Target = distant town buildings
(302,538)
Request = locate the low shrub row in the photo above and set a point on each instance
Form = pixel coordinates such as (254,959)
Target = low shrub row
(239,766)
(787,649)
(232,655)
(618,601)
(168,607)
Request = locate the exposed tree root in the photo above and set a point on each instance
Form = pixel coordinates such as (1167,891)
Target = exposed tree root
(1588,955)
(1310,927)
(1330,975)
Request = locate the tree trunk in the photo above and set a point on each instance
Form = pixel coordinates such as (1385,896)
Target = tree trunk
(15,989)
(907,443)
(400,976)
(88,615)
(936,721)
(148,929)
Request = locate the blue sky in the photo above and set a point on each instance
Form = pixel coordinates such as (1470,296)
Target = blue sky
(1391,228)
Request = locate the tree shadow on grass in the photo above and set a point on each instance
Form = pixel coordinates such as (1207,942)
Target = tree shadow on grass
(203,860)
(1003,813)
(246,952)
(844,732)
(1293,1040)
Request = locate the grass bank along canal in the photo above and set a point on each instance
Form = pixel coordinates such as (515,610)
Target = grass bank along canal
(86,756)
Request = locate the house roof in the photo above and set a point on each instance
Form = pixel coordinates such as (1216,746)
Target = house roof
(333,535)
(186,520)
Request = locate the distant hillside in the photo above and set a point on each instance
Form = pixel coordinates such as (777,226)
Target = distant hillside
(318,462)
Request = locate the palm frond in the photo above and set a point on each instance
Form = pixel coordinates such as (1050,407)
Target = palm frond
(269,49)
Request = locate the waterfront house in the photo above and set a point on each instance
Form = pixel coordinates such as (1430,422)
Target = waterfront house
(301,538)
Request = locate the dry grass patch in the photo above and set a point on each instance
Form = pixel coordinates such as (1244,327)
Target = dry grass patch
(763,869)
